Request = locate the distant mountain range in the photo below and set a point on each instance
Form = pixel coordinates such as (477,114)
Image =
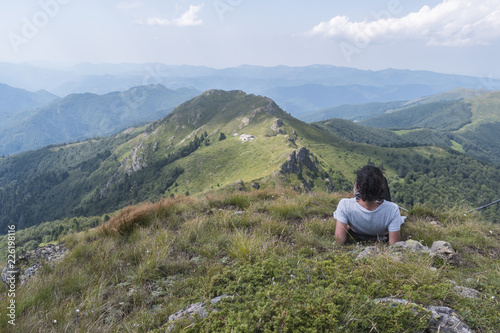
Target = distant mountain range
(82,116)
(198,147)
(298,89)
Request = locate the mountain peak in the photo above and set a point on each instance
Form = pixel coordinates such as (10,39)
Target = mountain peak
(220,107)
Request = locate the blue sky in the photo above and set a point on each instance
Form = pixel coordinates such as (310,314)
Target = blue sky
(453,36)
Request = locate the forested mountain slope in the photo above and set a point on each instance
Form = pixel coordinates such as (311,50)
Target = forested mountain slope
(472,122)
(355,132)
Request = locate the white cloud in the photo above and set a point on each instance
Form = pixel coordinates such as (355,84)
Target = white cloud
(127,5)
(189,18)
(450,23)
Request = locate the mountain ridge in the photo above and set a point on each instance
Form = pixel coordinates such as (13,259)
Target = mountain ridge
(104,78)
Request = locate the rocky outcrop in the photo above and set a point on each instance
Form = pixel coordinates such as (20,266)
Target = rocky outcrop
(465,292)
(299,163)
(196,309)
(256,185)
(135,162)
(444,250)
(27,264)
(276,126)
(272,108)
(299,159)
(441,249)
(442,318)
(239,185)
(138,160)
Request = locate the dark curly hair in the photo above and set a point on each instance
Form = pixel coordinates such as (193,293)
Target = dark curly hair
(371,183)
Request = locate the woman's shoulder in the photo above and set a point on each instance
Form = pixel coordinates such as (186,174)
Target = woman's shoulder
(389,205)
(347,201)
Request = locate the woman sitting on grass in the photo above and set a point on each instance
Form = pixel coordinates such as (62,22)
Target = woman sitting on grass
(369,215)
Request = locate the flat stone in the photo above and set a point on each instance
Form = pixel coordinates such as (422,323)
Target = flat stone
(411,245)
(467,292)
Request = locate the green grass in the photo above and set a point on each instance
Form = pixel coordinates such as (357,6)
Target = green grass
(401,132)
(275,251)
(456,146)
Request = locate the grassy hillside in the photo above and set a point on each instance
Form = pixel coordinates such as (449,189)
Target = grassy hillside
(447,96)
(274,252)
(181,211)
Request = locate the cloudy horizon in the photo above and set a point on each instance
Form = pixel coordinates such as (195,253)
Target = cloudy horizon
(447,36)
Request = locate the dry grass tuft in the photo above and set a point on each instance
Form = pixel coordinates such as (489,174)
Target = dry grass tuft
(132,217)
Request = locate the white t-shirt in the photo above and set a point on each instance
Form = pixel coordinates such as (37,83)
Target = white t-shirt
(362,221)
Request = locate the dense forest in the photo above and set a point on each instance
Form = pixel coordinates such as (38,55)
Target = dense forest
(381,137)
(458,180)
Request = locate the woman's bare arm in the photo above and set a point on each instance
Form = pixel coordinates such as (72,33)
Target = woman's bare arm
(341,230)
(394,237)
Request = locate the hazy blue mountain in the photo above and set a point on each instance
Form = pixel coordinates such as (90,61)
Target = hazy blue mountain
(81,116)
(32,77)
(14,102)
(279,82)
(351,112)
(315,97)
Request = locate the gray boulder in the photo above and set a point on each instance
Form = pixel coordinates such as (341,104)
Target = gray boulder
(444,250)
(442,318)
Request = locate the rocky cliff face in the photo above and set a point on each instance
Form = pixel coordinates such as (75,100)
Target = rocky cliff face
(301,163)
(298,160)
